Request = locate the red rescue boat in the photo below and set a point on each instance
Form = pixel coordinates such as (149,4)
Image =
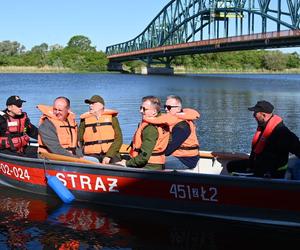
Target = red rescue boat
(215,195)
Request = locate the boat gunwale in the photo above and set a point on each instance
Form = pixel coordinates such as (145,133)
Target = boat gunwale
(283,184)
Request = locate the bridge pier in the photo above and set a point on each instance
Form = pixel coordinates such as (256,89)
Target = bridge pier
(157,71)
(115,66)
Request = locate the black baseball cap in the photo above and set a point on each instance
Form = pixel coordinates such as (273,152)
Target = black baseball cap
(262,106)
(14,100)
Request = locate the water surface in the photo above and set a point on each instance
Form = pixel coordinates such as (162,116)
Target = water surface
(222,100)
(33,222)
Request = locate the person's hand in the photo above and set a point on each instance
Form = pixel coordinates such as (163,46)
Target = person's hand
(122,163)
(267,175)
(106,160)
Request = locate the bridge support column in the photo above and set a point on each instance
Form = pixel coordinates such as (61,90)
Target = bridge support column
(157,71)
(115,66)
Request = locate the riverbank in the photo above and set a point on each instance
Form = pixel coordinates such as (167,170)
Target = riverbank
(177,70)
(34,69)
(182,70)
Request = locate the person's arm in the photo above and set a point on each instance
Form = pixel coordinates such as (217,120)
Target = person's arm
(31,130)
(3,126)
(150,136)
(293,144)
(116,145)
(180,133)
(81,129)
(49,137)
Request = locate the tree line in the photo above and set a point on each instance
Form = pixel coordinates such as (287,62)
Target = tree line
(79,55)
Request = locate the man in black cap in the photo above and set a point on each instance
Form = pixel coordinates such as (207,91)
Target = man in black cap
(16,129)
(271,145)
(99,131)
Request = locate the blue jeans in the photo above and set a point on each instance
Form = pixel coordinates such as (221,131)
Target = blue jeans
(294,168)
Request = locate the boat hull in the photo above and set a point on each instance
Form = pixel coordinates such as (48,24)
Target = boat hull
(255,200)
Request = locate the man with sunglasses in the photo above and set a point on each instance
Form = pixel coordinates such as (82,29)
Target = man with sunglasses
(151,137)
(183,147)
(271,145)
(16,129)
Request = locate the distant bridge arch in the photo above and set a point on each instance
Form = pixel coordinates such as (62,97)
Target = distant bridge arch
(186,21)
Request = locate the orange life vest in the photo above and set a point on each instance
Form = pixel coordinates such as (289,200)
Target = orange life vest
(15,137)
(99,133)
(66,130)
(158,155)
(190,147)
(259,140)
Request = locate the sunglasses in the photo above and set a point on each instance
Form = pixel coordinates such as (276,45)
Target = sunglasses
(143,108)
(19,105)
(169,107)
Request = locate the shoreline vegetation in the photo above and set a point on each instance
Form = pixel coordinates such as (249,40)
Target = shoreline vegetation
(79,56)
(177,70)
(235,71)
(33,69)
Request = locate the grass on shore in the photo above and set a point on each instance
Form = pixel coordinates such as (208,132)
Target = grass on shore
(183,70)
(33,69)
(177,70)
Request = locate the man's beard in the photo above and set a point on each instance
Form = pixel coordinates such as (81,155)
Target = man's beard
(261,124)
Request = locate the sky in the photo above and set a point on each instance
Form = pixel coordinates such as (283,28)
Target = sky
(33,22)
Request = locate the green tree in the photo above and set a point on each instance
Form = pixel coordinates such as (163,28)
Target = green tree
(9,48)
(275,60)
(42,48)
(81,43)
(293,60)
(38,55)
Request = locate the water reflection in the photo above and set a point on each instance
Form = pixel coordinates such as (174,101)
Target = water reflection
(28,222)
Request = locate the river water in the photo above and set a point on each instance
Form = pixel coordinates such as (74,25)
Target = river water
(225,125)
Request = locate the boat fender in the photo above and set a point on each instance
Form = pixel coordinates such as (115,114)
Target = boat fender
(58,187)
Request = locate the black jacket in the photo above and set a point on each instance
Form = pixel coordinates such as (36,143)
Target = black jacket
(31,130)
(276,152)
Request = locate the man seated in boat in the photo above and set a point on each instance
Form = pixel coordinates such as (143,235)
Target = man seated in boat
(271,145)
(16,129)
(99,131)
(151,137)
(58,129)
(183,147)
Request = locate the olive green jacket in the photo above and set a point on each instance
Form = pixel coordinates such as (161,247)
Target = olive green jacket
(150,136)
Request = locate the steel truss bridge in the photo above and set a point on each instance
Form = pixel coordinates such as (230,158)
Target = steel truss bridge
(185,27)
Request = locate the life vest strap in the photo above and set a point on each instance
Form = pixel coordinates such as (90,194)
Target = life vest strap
(68,126)
(98,124)
(97,142)
(3,144)
(153,154)
(189,148)
(157,154)
(15,134)
(10,143)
